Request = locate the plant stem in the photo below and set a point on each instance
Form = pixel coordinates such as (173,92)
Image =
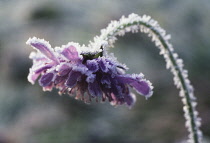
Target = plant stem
(183,83)
(186,90)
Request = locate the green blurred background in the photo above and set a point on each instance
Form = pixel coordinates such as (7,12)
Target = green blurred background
(29,115)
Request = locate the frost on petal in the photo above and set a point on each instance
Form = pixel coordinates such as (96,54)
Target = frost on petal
(43,68)
(42,46)
(74,77)
(94,89)
(141,86)
(103,65)
(38,57)
(67,68)
(70,53)
(90,77)
(80,68)
(46,79)
(32,77)
(92,65)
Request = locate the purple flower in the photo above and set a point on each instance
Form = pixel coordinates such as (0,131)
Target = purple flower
(88,76)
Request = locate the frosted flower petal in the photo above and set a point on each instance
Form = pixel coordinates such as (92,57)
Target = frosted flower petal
(94,89)
(46,79)
(42,46)
(73,78)
(88,76)
(92,65)
(70,53)
(141,86)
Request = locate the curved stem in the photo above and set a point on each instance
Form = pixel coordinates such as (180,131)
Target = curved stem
(182,80)
(145,24)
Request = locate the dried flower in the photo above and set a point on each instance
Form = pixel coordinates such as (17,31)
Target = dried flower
(90,75)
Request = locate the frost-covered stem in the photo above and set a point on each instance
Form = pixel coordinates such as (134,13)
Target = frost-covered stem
(145,24)
(183,87)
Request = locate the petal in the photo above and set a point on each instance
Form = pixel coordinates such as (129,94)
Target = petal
(32,76)
(143,87)
(117,100)
(92,65)
(74,76)
(90,77)
(48,87)
(130,99)
(59,79)
(116,89)
(37,56)
(70,53)
(103,65)
(106,80)
(42,46)
(107,94)
(42,68)
(94,89)
(82,88)
(63,70)
(46,79)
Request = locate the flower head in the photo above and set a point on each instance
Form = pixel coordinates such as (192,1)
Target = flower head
(74,70)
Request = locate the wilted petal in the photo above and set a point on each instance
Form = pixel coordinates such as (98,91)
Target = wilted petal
(94,89)
(42,46)
(46,79)
(71,53)
(74,76)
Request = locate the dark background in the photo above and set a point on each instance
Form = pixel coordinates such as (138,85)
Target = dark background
(29,115)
